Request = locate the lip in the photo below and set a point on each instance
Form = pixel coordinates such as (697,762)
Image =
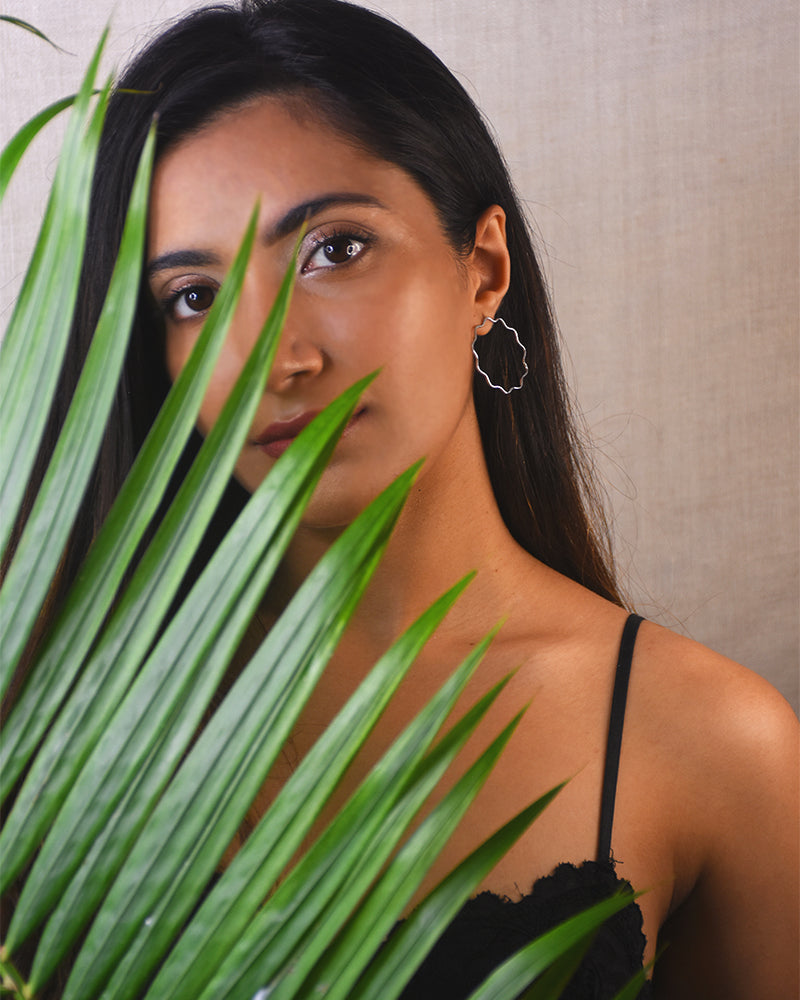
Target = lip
(276,438)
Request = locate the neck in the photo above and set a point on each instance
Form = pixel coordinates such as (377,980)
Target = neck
(449,527)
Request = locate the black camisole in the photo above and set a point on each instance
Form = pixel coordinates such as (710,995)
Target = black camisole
(490,928)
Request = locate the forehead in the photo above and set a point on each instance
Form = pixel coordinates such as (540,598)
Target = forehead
(273,149)
(284,122)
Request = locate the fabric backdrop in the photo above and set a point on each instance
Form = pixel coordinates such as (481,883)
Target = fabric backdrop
(655,145)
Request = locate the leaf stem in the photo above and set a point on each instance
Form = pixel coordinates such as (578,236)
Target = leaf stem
(11,982)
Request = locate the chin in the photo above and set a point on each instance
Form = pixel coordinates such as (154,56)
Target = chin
(331,514)
(339,498)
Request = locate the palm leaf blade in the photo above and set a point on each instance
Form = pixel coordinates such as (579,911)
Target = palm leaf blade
(27,26)
(141,610)
(109,558)
(395,964)
(631,990)
(143,606)
(36,339)
(553,981)
(230,758)
(270,848)
(167,701)
(401,779)
(336,973)
(39,551)
(19,142)
(517,972)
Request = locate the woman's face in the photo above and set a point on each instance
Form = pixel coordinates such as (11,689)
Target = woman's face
(378,286)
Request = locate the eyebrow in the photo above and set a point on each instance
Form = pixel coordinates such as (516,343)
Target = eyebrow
(182,258)
(285,226)
(296,216)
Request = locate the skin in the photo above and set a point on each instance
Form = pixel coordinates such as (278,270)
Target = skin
(706,810)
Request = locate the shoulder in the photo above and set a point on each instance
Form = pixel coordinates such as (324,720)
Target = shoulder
(719,712)
(729,735)
(726,745)
(723,748)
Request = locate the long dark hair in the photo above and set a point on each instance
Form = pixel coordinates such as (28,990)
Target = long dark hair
(385,90)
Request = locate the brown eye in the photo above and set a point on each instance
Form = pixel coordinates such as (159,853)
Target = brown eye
(188,302)
(334,251)
(340,250)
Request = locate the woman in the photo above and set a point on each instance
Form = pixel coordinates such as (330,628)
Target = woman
(415,254)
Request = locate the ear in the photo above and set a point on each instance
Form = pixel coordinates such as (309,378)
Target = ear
(489,264)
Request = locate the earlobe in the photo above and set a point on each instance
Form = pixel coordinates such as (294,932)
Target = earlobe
(490,263)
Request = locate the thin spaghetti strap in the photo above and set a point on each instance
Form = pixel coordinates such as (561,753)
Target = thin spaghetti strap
(615,723)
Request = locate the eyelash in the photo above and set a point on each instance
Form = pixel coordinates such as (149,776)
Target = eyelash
(170,303)
(321,242)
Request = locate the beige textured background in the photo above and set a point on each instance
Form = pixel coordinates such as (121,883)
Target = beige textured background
(656,146)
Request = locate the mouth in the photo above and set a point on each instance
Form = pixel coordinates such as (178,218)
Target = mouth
(275,439)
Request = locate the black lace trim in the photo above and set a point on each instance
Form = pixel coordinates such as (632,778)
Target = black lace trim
(490,928)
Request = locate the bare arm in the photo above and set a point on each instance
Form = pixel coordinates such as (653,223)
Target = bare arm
(735,935)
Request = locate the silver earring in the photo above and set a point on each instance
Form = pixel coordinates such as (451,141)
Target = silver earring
(477,360)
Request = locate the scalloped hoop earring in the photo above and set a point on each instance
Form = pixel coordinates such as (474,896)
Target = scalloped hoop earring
(477,360)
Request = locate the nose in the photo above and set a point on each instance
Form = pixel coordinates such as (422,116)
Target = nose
(298,357)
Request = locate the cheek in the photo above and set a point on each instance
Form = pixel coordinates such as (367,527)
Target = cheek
(178,349)
(176,354)
(413,319)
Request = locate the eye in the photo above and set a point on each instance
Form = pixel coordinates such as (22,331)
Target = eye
(188,302)
(333,251)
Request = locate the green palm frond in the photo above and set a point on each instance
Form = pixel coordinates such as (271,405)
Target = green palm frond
(27,26)
(36,339)
(15,149)
(122,788)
